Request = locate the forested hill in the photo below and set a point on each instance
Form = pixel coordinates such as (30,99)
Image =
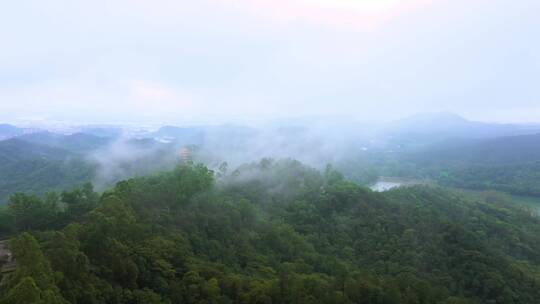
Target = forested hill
(449,125)
(497,151)
(8,131)
(40,162)
(77,142)
(510,164)
(43,161)
(269,232)
(36,168)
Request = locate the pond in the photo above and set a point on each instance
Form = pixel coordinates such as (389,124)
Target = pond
(388,183)
(381,186)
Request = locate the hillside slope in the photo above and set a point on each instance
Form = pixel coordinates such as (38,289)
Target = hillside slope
(271,232)
(34,168)
(510,164)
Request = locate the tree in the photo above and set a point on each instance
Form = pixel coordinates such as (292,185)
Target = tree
(24,292)
(29,212)
(33,278)
(80,201)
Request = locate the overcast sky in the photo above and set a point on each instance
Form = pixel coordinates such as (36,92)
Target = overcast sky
(171,61)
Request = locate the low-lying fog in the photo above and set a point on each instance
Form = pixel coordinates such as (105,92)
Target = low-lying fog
(342,143)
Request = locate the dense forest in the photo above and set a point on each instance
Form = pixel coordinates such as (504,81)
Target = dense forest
(40,162)
(35,168)
(267,232)
(508,164)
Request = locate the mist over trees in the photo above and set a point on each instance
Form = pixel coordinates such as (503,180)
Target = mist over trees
(274,231)
(200,215)
(270,152)
(443,148)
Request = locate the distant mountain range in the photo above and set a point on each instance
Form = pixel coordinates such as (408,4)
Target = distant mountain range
(8,131)
(452,125)
(15,149)
(78,142)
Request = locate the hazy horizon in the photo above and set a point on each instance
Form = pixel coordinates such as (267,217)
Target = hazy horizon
(258,122)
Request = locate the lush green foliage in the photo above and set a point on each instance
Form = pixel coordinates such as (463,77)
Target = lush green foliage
(519,179)
(507,164)
(270,232)
(41,162)
(35,169)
